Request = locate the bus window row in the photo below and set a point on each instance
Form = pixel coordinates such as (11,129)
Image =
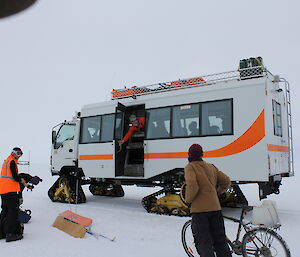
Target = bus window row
(200,119)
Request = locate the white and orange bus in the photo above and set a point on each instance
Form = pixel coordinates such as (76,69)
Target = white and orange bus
(242,119)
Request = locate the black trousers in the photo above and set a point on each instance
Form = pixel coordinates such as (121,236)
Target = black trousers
(9,212)
(209,234)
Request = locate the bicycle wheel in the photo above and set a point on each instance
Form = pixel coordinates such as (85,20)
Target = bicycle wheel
(264,242)
(187,239)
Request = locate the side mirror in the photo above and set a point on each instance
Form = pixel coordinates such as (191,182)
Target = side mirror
(53,136)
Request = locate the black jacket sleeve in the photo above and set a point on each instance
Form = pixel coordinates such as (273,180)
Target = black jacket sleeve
(13,168)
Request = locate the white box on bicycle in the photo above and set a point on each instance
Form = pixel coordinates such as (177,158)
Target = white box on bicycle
(266,214)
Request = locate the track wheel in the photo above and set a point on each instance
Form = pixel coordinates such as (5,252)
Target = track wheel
(233,197)
(159,209)
(179,212)
(97,189)
(115,191)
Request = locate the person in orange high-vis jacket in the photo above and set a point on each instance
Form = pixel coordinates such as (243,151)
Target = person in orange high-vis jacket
(137,125)
(9,191)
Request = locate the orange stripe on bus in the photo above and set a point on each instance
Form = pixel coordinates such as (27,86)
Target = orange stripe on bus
(251,137)
(278,148)
(96,157)
(179,155)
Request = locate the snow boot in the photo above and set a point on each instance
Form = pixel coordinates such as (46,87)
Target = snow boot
(13,237)
(2,234)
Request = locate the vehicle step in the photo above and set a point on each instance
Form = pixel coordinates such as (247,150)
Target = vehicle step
(138,145)
(135,170)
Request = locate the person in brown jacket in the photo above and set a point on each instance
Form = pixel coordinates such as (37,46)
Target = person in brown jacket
(203,184)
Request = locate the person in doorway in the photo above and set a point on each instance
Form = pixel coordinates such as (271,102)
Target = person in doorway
(203,184)
(136,125)
(10,197)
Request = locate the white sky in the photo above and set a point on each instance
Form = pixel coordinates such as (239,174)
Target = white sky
(61,54)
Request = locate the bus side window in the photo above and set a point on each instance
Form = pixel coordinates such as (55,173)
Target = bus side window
(216,118)
(158,123)
(277,120)
(66,132)
(119,126)
(90,130)
(185,120)
(107,127)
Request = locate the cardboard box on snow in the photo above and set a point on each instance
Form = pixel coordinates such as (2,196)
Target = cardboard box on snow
(73,229)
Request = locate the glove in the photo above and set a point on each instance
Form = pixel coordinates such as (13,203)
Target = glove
(35,180)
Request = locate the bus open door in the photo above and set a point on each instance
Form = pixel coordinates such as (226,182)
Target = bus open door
(129,157)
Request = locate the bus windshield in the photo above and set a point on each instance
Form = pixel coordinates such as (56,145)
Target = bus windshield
(66,132)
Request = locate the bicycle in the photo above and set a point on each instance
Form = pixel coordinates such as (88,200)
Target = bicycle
(257,240)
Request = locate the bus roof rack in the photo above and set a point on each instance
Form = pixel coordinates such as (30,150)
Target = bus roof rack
(241,74)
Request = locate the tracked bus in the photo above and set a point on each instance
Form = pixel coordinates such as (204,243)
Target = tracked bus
(241,118)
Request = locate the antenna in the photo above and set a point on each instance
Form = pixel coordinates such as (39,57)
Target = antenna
(26,163)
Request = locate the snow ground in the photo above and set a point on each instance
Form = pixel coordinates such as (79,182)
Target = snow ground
(137,232)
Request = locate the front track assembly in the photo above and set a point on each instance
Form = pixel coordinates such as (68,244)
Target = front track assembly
(67,189)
